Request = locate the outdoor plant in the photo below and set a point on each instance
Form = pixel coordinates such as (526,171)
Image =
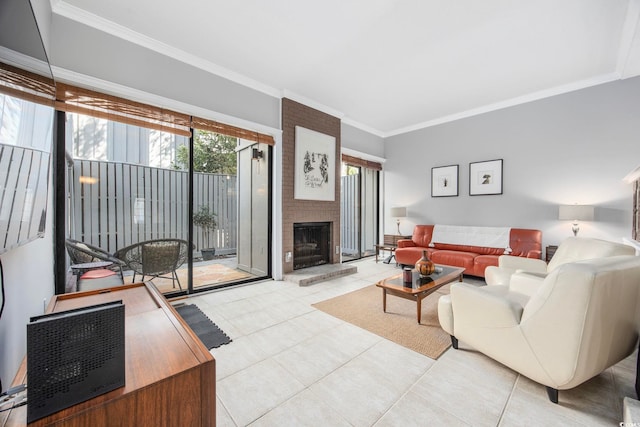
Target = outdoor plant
(206,220)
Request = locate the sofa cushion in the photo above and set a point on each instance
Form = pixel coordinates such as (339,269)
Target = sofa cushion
(455,258)
(480,250)
(525,243)
(422,235)
(484,261)
(409,255)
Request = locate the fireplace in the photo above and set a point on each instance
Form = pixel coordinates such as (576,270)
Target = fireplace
(311,244)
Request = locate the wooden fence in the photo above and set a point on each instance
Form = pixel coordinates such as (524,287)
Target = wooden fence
(350,219)
(23,194)
(113,205)
(358,204)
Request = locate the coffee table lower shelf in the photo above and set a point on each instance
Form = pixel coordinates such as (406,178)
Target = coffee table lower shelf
(419,288)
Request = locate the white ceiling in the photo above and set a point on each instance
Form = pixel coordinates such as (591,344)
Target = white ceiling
(387,66)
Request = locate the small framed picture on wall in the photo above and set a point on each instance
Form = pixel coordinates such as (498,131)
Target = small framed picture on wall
(485,177)
(444,181)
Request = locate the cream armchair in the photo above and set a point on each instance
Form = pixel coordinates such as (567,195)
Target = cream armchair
(580,321)
(524,274)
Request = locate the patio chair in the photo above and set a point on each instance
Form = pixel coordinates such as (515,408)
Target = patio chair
(155,258)
(83,253)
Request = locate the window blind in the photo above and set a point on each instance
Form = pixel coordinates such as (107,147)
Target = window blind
(210,125)
(26,85)
(73,99)
(84,101)
(356,161)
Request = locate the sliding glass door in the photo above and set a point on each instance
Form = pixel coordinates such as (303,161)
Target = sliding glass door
(359,211)
(129,191)
(127,197)
(230,209)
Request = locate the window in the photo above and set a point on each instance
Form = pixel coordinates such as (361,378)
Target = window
(129,182)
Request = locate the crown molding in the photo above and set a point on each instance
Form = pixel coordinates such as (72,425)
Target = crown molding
(361,126)
(26,62)
(93,83)
(632,176)
(312,103)
(629,29)
(535,96)
(74,13)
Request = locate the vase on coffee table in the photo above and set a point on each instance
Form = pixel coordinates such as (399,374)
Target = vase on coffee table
(424,266)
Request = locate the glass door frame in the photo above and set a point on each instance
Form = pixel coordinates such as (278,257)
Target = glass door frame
(361,251)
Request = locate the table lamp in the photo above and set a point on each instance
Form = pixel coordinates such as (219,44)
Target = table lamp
(576,213)
(398,213)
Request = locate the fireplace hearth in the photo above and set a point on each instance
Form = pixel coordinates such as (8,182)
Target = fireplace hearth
(311,244)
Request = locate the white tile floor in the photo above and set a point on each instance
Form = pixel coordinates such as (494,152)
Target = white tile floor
(292,365)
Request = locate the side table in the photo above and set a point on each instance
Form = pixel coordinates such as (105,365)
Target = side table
(385,247)
(550,251)
(392,239)
(390,244)
(79,269)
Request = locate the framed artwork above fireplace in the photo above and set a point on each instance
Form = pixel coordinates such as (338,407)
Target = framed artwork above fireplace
(315,162)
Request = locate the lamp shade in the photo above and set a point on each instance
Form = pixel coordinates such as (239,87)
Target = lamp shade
(576,212)
(398,212)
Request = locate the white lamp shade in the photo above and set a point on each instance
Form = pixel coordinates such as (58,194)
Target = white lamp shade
(398,212)
(576,212)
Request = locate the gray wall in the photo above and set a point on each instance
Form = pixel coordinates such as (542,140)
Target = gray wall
(28,285)
(42,13)
(28,269)
(18,29)
(571,148)
(82,49)
(359,140)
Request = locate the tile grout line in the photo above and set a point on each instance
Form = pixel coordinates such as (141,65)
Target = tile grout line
(506,405)
(315,382)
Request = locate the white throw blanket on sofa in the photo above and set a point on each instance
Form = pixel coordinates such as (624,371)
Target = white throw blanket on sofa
(489,237)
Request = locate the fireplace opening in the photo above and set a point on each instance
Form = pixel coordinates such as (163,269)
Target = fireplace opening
(311,244)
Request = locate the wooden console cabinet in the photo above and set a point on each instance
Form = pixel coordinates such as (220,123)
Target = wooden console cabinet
(170,374)
(392,239)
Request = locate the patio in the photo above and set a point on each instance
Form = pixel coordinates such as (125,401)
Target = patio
(205,273)
(218,271)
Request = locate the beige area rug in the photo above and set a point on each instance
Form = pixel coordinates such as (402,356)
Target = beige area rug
(399,324)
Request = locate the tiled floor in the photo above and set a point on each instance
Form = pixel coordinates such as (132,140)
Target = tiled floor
(292,365)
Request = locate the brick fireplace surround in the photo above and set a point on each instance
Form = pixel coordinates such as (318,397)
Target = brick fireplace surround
(295,211)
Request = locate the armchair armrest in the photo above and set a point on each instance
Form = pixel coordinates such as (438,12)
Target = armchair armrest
(526,282)
(521,263)
(477,306)
(405,243)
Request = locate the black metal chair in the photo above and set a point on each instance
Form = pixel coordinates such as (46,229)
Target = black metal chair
(155,258)
(83,253)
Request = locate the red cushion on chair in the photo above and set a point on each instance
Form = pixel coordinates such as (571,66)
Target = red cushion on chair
(97,274)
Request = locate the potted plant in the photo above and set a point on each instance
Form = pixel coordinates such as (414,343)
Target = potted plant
(206,221)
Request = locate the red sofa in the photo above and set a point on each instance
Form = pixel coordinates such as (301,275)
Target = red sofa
(474,259)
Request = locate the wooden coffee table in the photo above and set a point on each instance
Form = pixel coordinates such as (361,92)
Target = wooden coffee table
(419,287)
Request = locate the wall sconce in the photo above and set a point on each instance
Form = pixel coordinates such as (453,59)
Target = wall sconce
(576,213)
(398,213)
(256,154)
